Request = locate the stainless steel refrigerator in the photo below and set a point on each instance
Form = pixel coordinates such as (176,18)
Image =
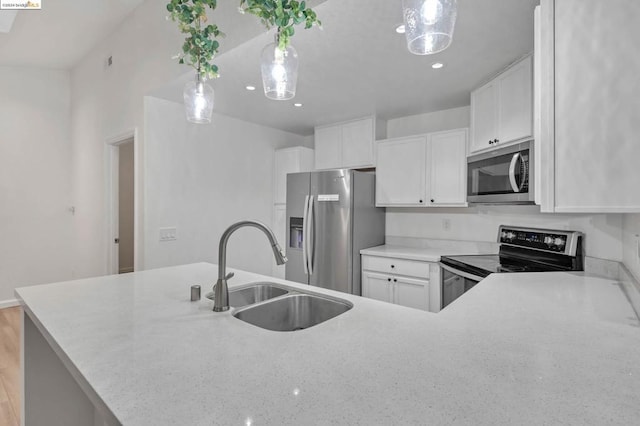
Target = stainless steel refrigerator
(331,216)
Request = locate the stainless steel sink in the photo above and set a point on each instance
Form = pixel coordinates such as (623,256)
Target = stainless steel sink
(295,311)
(255,293)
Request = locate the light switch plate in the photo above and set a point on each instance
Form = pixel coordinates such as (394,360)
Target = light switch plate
(168,234)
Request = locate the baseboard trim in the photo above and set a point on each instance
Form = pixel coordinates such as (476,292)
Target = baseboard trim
(9,303)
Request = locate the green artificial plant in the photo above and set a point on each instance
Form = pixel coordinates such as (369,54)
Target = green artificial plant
(200,46)
(283,14)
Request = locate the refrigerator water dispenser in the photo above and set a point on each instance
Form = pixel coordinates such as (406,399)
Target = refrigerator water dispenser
(295,233)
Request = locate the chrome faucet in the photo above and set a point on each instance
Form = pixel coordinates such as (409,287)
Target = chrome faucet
(221,289)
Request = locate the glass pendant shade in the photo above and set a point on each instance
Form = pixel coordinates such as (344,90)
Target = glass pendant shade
(429,24)
(198,101)
(279,72)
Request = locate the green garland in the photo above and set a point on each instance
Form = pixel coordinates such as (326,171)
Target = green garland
(283,14)
(200,46)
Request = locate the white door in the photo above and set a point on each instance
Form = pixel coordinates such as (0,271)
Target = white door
(448,171)
(484,117)
(400,172)
(410,292)
(377,286)
(515,102)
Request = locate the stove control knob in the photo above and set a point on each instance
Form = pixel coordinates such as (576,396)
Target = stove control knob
(548,240)
(510,235)
(559,242)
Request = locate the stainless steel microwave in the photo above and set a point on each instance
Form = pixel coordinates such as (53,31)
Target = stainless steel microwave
(502,176)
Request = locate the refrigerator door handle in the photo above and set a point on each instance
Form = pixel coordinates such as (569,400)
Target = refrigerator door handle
(305,235)
(308,240)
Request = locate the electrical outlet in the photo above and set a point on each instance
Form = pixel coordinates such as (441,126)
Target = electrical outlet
(446,224)
(168,234)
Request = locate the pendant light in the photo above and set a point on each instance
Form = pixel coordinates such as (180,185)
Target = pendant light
(198,101)
(429,24)
(279,70)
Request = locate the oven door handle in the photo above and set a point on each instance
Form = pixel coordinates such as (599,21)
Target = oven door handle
(460,273)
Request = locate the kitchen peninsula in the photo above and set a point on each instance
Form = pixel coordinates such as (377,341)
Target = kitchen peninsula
(552,348)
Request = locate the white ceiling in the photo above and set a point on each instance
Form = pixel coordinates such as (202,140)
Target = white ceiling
(62,32)
(357,64)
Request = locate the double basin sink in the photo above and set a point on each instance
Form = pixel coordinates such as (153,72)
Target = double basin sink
(278,307)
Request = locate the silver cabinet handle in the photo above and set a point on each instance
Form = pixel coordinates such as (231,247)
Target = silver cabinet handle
(512,172)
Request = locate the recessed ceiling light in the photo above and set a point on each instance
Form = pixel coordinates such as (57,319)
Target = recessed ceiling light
(297,105)
(400,29)
(437,65)
(251,88)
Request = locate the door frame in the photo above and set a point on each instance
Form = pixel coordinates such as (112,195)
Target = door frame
(112,148)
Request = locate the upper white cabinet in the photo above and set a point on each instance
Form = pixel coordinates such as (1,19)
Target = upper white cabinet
(425,170)
(589,106)
(347,145)
(502,109)
(289,160)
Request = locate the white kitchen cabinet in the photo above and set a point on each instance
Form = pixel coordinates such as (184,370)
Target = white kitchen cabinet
(502,109)
(377,286)
(399,281)
(400,173)
(347,145)
(288,160)
(589,106)
(447,168)
(423,171)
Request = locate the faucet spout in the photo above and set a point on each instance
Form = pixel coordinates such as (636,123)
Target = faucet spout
(221,288)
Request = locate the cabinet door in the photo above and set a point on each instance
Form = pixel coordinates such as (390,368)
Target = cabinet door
(400,173)
(376,286)
(484,117)
(447,168)
(411,292)
(515,102)
(597,106)
(357,143)
(280,231)
(328,141)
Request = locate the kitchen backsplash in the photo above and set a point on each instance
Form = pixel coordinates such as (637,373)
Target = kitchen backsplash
(480,224)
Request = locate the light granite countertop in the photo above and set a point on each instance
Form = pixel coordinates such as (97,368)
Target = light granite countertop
(426,254)
(545,348)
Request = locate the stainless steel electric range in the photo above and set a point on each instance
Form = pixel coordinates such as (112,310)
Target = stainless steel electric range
(521,250)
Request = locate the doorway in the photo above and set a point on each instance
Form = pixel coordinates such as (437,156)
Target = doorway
(122,204)
(126,199)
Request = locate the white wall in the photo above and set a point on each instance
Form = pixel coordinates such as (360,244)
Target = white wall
(630,238)
(35,153)
(201,179)
(603,231)
(106,103)
(454,118)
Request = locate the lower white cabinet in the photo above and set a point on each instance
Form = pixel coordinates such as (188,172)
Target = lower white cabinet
(399,281)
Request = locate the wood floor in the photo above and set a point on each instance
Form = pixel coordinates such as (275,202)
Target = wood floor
(10,366)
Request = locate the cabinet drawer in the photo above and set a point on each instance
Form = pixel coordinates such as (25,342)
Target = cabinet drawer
(391,265)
